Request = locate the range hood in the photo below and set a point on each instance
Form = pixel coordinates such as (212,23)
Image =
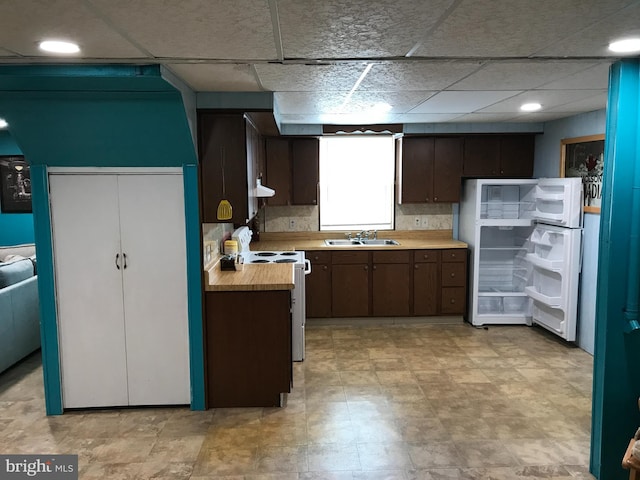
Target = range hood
(262,190)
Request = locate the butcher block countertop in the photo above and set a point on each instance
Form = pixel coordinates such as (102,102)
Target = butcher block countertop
(408,240)
(253,277)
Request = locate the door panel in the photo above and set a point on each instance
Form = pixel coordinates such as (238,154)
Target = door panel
(155,289)
(86,240)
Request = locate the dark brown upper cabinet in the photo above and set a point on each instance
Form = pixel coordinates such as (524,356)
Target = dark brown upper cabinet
(504,155)
(430,169)
(292,170)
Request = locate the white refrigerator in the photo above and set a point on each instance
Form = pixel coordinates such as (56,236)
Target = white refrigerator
(524,239)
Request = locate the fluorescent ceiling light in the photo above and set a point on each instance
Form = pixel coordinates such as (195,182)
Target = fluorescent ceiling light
(3,123)
(530,107)
(626,45)
(57,46)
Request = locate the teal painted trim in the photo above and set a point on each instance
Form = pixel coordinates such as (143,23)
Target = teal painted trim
(46,291)
(616,378)
(194,286)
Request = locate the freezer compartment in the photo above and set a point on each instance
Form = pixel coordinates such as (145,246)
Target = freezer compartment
(507,202)
(502,259)
(559,201)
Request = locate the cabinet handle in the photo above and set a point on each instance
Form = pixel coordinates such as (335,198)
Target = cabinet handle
(453,300)
(416,266)
(117,258)
(315,258)
(426,256)
(325,268)
(366,267)
(124,256)
(453,275)
(426,199)
(453,255)
(435,199)
(375,267)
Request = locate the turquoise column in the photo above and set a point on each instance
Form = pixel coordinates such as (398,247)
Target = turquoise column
(194,286)
(46,290)
(616,374)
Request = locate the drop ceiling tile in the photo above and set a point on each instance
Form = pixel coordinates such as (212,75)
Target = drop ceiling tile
(486,117)
(590,104)
(217,78)
(594,40)
(294,103)
(306,78)
(355,29)
(427,117)
(218,29)
(547,98)
(423,75)
(541,116)
(462,101)
(504,28)
(520,75)
(592,78)
(27,22)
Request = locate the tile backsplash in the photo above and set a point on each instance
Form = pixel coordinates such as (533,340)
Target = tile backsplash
(212,236)
(306,218)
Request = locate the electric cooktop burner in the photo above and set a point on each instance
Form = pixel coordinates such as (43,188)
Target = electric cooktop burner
(288,254)
(285,260)
(260,261)
(265,254)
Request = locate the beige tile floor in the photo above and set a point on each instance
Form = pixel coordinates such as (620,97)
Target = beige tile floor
(377,402)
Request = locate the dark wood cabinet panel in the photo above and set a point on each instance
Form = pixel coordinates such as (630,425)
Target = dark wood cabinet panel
(318,285)
(517,156)
(453,301)
(350,290)
(390,289)
(278,170)
(447,169)
(426,256)
(453,274)
(248,348)
(481,156)
(305,158)
(426,288)
(416,159)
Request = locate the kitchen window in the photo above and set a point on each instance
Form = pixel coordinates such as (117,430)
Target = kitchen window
(357,182)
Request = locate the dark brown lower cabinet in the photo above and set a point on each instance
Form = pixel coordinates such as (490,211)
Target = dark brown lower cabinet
(453,281)
(248,348)
(391,283)
(350,290)
(318,285)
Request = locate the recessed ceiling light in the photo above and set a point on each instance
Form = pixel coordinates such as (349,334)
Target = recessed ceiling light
(58,46)
(3,123)
(530,107)
(626,45)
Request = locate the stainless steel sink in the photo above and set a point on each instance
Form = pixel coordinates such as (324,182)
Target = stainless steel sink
(344,242)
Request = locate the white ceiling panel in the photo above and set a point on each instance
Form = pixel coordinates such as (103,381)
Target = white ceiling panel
(591,78)
(462,102)
(27,22)
(594,40)
(507,28)
(590,104)
(519,75)
(355,29)
(540,116)
(547,98)
(432,75)
(217,78)
(217,29)
(290,103)
(486,117)
(309,78)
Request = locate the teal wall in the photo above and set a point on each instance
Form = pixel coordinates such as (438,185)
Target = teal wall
(616,376)
(15,228)
(100,116)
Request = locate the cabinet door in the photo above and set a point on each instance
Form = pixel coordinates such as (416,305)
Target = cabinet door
(390,289)
(154,276)
(305,162)
(86,241)
(223,154)
(318,285)
(350,290)
(453,300)
(417,170)
(278,175)
(481,156)
(447,169)
(516,156)
(425,288)
(253,150)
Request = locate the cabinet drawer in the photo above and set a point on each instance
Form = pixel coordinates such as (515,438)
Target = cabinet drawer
(396,256)
(318,257)
(426,256)
(453,300)
(350,257)
(454,255)
(453,275)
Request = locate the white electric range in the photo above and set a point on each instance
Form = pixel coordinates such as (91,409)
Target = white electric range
(301,266)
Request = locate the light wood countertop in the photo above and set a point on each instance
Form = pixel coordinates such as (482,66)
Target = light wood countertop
(253,277)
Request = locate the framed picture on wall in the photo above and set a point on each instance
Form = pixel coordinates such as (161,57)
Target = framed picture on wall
(15,185)
(584,157)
